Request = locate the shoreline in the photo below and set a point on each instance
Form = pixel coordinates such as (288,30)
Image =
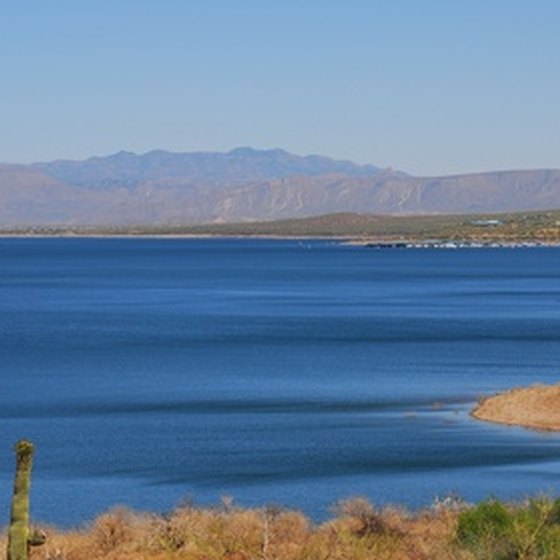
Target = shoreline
(338,238)
(349,240)
(536,407)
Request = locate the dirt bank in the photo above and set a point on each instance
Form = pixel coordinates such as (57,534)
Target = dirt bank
(536,407)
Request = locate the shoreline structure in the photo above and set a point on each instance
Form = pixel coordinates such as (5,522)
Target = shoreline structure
(536,407)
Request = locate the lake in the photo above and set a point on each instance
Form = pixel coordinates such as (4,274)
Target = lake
(149,371)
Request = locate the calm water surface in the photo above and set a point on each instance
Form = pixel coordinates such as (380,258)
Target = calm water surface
(290,372)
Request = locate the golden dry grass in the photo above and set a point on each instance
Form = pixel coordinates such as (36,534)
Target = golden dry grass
(358,532)
(535,407)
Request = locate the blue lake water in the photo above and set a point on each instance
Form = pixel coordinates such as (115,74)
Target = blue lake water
(291,372)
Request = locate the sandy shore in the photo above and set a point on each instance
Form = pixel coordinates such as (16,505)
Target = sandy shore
(536,407)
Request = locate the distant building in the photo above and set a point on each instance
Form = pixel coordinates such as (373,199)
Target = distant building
(486,222)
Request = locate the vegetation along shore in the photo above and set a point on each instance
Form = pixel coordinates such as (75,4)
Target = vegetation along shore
(535,228)
(449,530)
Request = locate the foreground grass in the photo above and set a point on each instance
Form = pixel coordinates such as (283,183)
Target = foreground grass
(490,531)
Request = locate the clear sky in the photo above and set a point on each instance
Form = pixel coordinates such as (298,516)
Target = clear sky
(426,86)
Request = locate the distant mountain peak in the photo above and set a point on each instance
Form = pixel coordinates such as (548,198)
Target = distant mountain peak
(122,155)
(243,151)
(239,166)
(125,153)
(249,151)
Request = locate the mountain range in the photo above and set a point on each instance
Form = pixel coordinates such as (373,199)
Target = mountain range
(245,184)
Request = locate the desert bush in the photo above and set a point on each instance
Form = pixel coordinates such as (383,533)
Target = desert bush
(530,531)
(112,529)
(485,529)
(535,529)
(290,532)
(364,518)
(489,531)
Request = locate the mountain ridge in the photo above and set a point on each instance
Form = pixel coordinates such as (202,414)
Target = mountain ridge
(238,166)
(245,184)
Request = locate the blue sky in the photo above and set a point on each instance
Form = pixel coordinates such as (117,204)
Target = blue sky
(426,86)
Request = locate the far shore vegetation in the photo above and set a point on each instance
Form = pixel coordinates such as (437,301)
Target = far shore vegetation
(519,227)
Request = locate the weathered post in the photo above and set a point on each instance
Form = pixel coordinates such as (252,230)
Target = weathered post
(18,535)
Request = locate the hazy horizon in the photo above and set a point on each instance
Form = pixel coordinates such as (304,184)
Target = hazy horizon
(430,88)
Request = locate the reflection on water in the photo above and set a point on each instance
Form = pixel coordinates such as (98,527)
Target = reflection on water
(148,370)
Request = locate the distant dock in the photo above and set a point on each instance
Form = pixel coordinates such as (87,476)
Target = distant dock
(441,244)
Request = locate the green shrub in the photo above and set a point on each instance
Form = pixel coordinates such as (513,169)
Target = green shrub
(486,530)
(492,531)
(535,530)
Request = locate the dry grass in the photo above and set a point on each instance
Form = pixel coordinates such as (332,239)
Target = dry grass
(359,531)
(532,407)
